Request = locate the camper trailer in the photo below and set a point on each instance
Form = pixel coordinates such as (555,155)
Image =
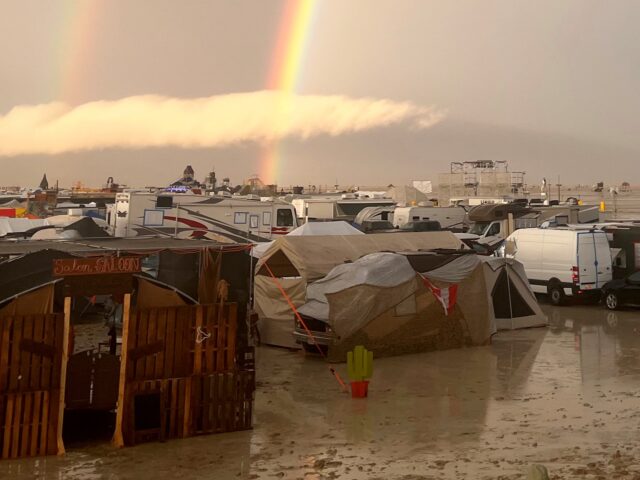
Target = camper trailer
(346,207)
(450,218)
(220,217)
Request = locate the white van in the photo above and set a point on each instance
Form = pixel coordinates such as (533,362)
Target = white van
(562,261)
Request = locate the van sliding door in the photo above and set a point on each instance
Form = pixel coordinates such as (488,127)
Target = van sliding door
(587,261)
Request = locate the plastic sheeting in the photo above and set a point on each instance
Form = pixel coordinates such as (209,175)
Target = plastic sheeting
(383,270)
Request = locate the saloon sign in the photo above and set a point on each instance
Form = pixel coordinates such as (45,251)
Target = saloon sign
(95,266)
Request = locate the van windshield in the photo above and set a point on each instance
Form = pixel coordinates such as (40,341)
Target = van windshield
(479,228)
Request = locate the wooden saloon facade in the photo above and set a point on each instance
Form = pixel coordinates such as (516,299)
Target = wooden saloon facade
(184,366)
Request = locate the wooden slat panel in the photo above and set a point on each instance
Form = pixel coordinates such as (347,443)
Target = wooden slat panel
(44,429)
(178,360)
(220,344)
(25,355)
(141,337)
(17,417)
(132,342)
(209,346)
(5,349)
(8,426)
(14,361)
(170,342)
(36,419)
(57,364)
(232,324)
(152,324)
(173,403)
(52,425)
(36,360)
(161,333)
(27,419)
(46,362)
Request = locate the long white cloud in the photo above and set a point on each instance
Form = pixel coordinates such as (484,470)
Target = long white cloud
(156,121)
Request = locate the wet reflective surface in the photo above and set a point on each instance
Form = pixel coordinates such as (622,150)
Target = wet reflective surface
(567,397)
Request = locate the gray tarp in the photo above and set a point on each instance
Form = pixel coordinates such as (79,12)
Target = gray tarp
(301,260)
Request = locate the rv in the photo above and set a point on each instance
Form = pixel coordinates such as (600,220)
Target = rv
(221,217)
(498,221)
(562,261)
(450,218)
(346,207)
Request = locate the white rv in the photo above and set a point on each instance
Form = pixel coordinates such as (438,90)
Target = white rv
(346,207)
(448,217)
(562,261)
(221,218)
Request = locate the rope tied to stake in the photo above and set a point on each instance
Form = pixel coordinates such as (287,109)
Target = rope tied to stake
(335,374)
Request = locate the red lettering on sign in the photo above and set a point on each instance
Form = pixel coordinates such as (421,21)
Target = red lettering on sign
(95,266)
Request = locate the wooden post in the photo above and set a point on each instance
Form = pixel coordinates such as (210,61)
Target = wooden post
(197,370)
(118,438)
(63,371)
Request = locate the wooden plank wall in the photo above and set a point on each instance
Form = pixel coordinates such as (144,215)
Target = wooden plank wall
(187,356)
(30,370)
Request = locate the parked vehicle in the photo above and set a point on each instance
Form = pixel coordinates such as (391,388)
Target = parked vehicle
(621,292)
(450,218)
(563,261)
(219,217)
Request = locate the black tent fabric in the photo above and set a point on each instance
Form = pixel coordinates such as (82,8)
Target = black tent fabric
(27,272)
(503,291)
(87,228)
(180,270)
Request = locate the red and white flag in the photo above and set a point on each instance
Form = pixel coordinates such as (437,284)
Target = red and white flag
(447,296)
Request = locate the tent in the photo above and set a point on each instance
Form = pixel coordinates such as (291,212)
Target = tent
(311,228)
(454,300)
(514,303)
(297,261)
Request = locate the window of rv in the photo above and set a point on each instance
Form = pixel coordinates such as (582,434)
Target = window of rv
(164,201)
(284,218)
(479,228)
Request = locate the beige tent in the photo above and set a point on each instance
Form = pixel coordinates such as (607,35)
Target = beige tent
(298,261)
(380,302)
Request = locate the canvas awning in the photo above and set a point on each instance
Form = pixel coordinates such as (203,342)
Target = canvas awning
(313,257)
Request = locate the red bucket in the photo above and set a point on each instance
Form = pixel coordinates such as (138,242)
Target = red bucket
(359,389)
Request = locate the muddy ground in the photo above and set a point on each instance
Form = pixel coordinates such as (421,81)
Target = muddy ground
(567,397)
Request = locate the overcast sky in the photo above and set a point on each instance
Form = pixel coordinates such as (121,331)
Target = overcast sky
(549,86)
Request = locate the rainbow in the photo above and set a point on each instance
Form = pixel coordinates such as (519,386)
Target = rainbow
(74,41)
(288,58)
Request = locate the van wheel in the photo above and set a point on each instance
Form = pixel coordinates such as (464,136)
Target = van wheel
(556,295)
(611,301)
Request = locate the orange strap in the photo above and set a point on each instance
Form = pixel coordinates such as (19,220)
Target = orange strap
(306,329)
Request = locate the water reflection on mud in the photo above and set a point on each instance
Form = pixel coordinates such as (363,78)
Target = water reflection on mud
(565,396)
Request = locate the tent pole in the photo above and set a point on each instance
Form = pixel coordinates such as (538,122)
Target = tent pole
(506,267)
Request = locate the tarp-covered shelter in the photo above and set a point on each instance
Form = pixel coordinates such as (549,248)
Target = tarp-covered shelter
(311,228)
(300,260)
(395,304)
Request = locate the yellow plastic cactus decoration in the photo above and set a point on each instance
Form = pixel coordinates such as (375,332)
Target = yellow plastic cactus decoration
(359,364)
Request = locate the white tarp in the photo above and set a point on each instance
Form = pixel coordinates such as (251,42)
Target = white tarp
(19,225)
(385,270)
(311,228)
